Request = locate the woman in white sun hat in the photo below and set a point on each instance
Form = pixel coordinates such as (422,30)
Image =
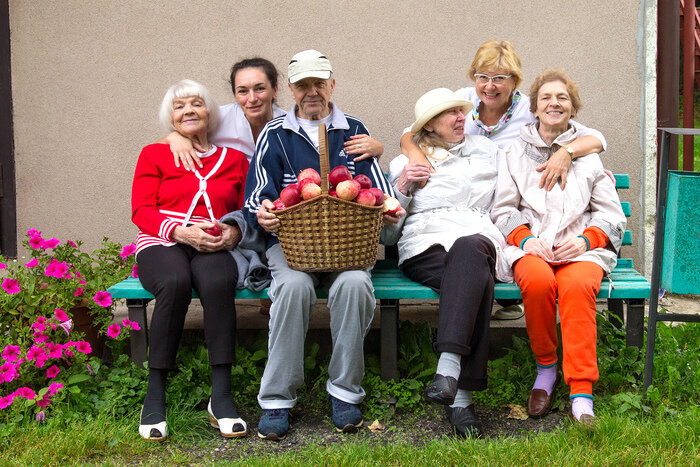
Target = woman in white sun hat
(449,244)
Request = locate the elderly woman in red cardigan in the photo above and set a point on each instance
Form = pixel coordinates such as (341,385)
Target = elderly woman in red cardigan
(180,246)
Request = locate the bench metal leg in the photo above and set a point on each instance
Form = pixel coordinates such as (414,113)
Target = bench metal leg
(616,307)
(635,322)
(138,339)
(389,322)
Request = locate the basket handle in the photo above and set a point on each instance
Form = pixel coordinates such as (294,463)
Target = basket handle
(323,156)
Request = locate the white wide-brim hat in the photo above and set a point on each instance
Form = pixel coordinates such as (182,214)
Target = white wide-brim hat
(432,103)
(309,64)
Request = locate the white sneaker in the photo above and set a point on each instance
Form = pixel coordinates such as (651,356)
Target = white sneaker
(510,312)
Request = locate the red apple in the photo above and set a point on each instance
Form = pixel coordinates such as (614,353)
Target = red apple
(366,197)
(310,173)
(310,190)
(364,180)
(279,205)
(379,194)
(391,206)
(304,182)
(333,193)
(348,189)
(290,195)
(339,174)
(213,231)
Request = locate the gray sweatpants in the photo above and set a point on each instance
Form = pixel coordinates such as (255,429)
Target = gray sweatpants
(351,302)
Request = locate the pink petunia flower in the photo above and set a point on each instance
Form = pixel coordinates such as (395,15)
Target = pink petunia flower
(44,402)
(34,352)
(66,326)
(113,331)
(83,347)
(103,298)
(60,315)
(54,350)
(131,324)
(53,371)
(40,416)
(57,269)
(6,401)
(41,361)
(78,292)
(39,325)
(27,393)
(8,372)
(49,244)
(32,264)
(54,388)
(35,242)
(41,319)
(68,353)
(71,243)
(40,337)
(135,271)
(11,353)
(128,250)
(3,266)
(11,286)
(34,233)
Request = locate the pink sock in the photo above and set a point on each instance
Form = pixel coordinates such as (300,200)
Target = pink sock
(546,377)
(582,405)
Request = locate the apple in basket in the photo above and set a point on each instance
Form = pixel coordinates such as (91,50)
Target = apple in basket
(365,182)
(302,183)
(213,231)
(278,205)
(310,174)
(348,189)
(379,194)
(290,195)
(339,174)
(332,193)
(391,206)
(366,198)
(310,190)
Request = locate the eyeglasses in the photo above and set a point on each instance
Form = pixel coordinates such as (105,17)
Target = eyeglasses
(496,79)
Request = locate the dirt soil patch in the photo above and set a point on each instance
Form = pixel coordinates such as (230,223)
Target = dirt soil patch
(317,429)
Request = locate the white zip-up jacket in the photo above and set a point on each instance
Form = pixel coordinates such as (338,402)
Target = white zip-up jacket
(454,203)
(589,199)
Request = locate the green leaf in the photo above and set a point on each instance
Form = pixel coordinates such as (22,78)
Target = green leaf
(75,379)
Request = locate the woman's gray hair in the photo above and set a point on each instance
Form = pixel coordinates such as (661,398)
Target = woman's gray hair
(187,88)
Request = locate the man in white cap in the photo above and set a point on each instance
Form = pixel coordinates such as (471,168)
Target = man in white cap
(286,146)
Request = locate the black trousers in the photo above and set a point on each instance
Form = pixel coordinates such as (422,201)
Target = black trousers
(170,273)
(464,278)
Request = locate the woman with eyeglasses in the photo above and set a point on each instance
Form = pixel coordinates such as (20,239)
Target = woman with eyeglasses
(500,110)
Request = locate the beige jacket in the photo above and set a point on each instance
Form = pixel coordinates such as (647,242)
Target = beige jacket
(555,216)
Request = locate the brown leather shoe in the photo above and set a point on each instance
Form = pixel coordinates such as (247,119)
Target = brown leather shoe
(539,403)
(586,421)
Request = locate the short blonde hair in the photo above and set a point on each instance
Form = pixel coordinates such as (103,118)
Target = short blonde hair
(548,76)
(497,55)
(187,88)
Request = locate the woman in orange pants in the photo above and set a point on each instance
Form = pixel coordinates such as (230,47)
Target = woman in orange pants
(560,244)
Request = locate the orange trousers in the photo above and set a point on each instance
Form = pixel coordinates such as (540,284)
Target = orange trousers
(576,285)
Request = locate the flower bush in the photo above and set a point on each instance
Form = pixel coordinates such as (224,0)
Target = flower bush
(43,358)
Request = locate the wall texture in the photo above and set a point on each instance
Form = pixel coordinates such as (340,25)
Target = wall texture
(88,78)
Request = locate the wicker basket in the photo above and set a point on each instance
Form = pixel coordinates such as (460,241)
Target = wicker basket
(328,234)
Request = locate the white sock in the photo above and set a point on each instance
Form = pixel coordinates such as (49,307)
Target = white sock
(546,377)
(463,398)
(582,405)
(449,364)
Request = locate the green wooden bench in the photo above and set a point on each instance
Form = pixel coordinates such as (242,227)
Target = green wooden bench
(625,287)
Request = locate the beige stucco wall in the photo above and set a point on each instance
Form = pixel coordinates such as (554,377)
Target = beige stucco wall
(88,78)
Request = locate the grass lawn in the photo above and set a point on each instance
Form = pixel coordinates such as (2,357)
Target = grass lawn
(98,425)
(619,440)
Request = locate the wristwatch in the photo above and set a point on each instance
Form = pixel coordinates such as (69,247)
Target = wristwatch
(570,151)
